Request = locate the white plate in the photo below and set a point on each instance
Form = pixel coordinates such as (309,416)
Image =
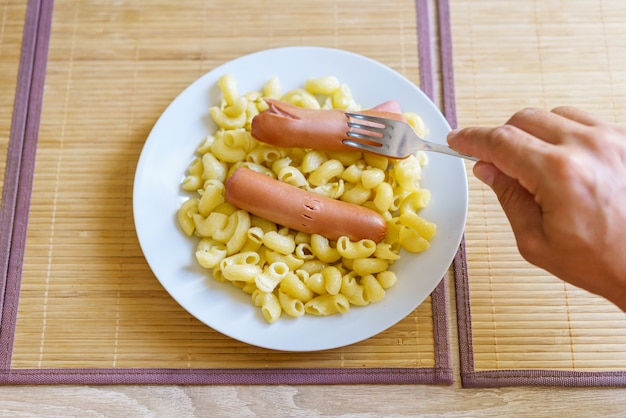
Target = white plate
(171,145)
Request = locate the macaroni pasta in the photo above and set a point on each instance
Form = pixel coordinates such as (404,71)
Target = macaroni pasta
(287,271)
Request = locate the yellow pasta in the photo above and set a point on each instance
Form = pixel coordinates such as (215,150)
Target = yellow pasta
(271,276)
(327,171)
(228,86)
(210,253)
(353,290)
(415,201)
(291,306)
(312,160)
(315,282)
(408,173)
(289,271)
(296,288)
(359,249)
(291,175)
(272,88)
(269,304)
(225,233)
(357,194)
(377,161)
(212,196)
(281,163)
(207,227)
(212,168)
(332,280)
(292,261)
(322,85)
(387,279)
(342,98)
(423,227)
(241,272)
(264,154)
(192,182)
(225,121)
(352,173)
(302,98)
(417,123)
(185,216)
(333,190)
(241,258)
(411,240)
(385,251)
(365,266)
(304,251)
(226,152)
(205,146)
(372,177)
(283,244)
(254,239)
(372,289)
(327,305)
(383,197)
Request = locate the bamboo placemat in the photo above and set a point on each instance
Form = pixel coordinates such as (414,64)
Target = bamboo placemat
(85,307)
(11,28)
(517,324)
(23,84)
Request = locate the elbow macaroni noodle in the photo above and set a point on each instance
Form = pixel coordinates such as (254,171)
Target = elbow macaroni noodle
(287,271)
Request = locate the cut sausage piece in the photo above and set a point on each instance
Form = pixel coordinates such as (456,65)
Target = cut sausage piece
(286,125)
(302,210)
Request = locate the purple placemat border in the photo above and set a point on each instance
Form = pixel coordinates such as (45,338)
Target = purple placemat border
(277,376)
(13,228)
(470,378)
(20,163)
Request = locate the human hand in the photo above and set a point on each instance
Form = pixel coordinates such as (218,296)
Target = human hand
(560,177)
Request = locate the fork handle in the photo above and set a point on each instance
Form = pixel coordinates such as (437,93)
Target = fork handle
(447,150)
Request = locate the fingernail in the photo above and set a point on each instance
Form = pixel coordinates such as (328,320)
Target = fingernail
(451,134)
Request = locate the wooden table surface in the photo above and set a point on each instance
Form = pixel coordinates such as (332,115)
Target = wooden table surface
(313,400)
(309,401)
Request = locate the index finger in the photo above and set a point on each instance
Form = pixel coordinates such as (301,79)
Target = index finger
(554,127)
(578,115)
(513,151)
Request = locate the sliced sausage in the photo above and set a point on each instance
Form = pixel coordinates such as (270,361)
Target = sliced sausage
(286,125)
(302,210)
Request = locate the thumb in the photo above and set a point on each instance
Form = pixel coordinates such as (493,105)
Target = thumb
(523,213)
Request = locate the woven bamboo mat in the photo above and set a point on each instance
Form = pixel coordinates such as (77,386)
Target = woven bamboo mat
(517,324)
(11,29)
(89,310)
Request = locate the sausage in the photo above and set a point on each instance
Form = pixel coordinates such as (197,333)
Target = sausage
(302,210)
(286,125)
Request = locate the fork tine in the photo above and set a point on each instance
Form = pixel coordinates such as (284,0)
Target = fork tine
(397,139)
(375,119)
(371,138)
(376,149)
(378,135)
(367,127)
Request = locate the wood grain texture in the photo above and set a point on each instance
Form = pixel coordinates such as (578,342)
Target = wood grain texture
(304,401)
(312,401)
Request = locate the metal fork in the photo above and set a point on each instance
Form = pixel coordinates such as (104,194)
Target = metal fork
(391,138)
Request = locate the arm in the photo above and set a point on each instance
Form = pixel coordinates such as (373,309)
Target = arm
(560,177)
